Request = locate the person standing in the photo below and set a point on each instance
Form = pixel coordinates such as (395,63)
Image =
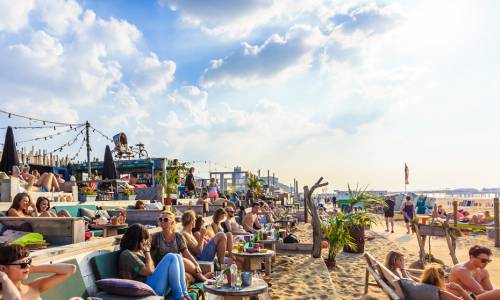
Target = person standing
(408,210)
(389,213)
(189,185)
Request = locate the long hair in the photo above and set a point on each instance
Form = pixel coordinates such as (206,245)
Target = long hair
(11,253)
(17,200)
(390,260)
(198,223)
(39,202)
(433,275)
(133,237)
(218,215)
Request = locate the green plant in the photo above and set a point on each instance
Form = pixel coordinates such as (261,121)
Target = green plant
(87,191)
(170,182)
(254,184)
(128,191)
(336,230)
(361,218)
(360,197)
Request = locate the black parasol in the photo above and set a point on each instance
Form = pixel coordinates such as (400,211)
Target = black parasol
(109,168)
(9,154)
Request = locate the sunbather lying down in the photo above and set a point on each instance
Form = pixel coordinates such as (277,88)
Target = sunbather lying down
(47,182)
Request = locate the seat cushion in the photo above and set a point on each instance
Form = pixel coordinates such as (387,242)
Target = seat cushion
(105,265)
(107,296)
(125,287)
(416,291)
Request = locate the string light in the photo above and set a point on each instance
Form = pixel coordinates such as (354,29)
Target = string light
(45,137)
(10,114)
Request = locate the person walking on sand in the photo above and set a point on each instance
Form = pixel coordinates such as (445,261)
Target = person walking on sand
(389,213)
(472,275)
(408,212)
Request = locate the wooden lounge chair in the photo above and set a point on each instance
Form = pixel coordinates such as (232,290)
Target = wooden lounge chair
(385,279)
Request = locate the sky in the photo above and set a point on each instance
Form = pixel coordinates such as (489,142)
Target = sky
(348,90)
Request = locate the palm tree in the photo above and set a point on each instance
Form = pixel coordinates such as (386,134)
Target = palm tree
(254,184)
(360,197)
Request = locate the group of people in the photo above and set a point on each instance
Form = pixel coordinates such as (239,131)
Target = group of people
(468,280)
(23,206)
(36,182)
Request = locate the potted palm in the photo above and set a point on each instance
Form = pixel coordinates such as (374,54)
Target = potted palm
(254,185)
(359,220)
(336,231)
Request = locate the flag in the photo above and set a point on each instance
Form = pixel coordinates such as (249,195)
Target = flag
(407,174)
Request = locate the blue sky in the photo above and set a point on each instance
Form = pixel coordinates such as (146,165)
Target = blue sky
(349,90)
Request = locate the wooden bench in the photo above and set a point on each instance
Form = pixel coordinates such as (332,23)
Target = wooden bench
(56,231)
(385,279)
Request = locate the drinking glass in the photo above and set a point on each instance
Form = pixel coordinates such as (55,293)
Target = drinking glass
(239,281)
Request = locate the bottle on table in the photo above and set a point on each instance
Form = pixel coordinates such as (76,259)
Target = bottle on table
(233,269)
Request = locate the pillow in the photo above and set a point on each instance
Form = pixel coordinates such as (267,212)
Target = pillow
(103,213)
(125,287)
(416,291)
(87,213)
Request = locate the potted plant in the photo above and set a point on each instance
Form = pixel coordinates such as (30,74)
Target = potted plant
(254,185)
(127,194)
(87,194)
(359,220)
(170,181)
(336,231)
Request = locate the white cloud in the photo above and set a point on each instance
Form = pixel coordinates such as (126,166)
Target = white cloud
(14,16)
(153,75)
(58,15)
(278,55)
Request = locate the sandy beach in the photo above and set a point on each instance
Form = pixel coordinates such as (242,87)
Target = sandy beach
(292,273)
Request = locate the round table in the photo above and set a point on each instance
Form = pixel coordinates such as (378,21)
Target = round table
(109,229)
(258,287)
(251,261)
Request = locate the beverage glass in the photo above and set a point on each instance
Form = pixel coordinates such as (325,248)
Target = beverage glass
(239,281)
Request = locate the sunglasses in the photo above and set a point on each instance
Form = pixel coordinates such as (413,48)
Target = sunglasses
(22,265)
(485,260)
(163,219)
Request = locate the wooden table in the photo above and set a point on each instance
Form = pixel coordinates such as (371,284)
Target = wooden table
(251,261)
(286,223)
(422,219)
(258,287)
(110,229)
(271,245)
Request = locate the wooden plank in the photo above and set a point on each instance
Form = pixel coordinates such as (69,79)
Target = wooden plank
(497,221)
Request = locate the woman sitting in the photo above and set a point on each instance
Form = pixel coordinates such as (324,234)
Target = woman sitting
(16,264)
(434,275)
(139,205)
(43,209)
(201,248)
(395,262)
(21,205)
(136,263)
(169,241)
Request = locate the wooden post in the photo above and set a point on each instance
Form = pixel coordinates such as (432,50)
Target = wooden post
(455,213)
(306,213)
(497,221)
(316,223)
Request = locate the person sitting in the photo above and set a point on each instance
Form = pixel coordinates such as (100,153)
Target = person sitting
(43,209)
(67,186)
(136,263)
(169,241)
(231,224)
(487,218)
(16,264)
(26,181)
(395,262)
(134,181)
(435,275)
(21,205)
(139,205)
(267,212)
(472,275)
(235,199)
(203,199)
(251,220)
(204,249)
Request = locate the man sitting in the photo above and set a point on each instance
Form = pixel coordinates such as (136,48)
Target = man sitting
(231,224)
(251,220)
(472,275)
(203,199)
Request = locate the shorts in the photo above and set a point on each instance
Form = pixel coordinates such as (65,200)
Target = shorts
(213,195)
(208,252)
(407,220)
(43,189)
(389,214)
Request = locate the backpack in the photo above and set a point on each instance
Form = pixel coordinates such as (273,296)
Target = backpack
(290,239)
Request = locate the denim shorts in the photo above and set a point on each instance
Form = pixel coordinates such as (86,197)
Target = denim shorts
(208,252)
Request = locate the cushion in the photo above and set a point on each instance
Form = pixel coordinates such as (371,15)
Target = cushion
(125,287)
(88,213)
(105,265)
(103,212)
(416,291)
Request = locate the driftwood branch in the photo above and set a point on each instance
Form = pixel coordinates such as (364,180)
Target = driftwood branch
(310,207)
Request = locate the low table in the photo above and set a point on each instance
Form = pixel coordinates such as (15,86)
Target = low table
(251,261)
(286,224)
(110,229)
(271,245)
(258,287)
